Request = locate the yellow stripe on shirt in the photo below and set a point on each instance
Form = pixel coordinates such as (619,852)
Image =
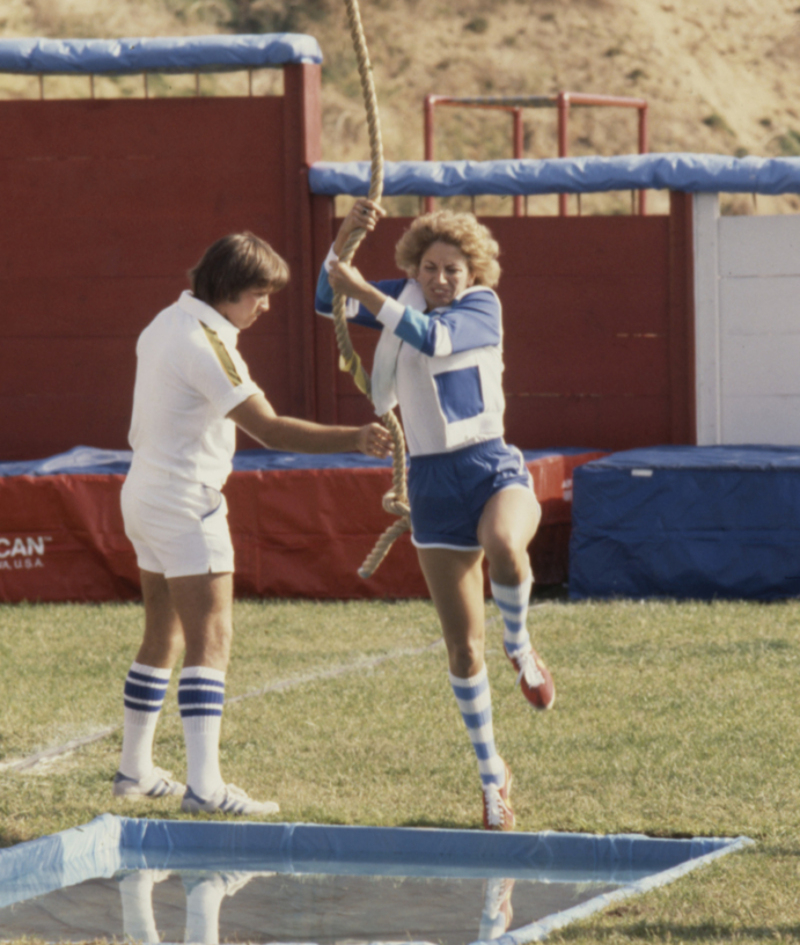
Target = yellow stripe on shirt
(222,353)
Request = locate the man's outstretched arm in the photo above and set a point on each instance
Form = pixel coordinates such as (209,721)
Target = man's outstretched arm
(257,417)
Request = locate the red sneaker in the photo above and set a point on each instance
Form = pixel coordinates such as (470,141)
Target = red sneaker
(497,811)
(534,679)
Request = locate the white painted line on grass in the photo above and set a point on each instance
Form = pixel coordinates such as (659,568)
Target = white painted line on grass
(24,764)
(332,673)
(33,760)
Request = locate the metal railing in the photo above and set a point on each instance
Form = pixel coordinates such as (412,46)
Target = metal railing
(562,101)
(145,76)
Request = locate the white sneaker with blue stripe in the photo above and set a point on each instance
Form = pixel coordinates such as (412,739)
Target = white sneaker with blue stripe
(158,783)
(229,799)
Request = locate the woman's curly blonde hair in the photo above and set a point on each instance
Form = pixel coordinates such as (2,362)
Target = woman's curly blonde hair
(461,230)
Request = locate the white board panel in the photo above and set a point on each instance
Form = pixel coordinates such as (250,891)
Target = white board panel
(759,246)
(761,420)
(752,306)
(754,365)
(705,219)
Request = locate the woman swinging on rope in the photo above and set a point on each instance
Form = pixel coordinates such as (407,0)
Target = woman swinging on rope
(440,357)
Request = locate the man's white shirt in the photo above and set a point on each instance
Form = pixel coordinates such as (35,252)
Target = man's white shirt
(189,377)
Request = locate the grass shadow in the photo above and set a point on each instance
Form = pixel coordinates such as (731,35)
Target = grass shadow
(10,838)
(439,824)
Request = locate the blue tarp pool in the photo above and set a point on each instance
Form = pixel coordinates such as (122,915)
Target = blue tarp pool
(184,881)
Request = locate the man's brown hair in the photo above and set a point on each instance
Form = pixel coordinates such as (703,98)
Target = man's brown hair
(235,263)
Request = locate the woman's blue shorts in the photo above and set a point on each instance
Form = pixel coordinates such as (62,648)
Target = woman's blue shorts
(448,491)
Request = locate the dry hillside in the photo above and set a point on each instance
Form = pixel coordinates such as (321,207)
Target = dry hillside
(720,76)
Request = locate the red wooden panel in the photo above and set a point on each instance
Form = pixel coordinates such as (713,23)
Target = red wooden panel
(583,246)
(608,423)
(591,319)
(136,129)
(84,189)
(107,204)
(107,307)
(324,350)
(66,247)
(354,408)
(301,147)
(81,366)
(585,335)
(36,426)
(681,308)
(83,307)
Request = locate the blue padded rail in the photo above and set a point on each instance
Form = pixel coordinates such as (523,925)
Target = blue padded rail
(706,173)
(174,54)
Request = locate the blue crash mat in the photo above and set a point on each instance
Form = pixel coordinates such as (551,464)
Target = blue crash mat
(688,522)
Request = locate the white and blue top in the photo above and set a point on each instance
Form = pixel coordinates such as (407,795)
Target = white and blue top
(443,367)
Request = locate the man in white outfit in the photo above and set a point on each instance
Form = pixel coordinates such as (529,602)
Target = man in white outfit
(192,390)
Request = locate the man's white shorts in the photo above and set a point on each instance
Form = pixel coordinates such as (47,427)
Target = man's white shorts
(177,528)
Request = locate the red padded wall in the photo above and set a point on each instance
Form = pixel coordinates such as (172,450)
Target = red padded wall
(106,204)
(296,533)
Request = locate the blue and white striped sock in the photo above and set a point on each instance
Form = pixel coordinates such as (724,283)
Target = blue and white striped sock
(513,602)
(201,695)
(475,703)
(145,688)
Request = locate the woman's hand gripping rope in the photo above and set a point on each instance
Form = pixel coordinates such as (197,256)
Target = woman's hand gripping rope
(347,281)
(363,215)
(395,501)
(362,218)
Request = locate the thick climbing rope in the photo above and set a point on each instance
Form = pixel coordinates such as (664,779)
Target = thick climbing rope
(396,500)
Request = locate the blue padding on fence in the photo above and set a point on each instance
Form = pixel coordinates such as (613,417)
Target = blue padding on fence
(80,459)
(711,173)
(217,53)
(92,461)
(689,523)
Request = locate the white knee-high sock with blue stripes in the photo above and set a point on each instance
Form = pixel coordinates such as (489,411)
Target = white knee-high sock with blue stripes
(145,687)
(475,703)
(201,695)
(513,602)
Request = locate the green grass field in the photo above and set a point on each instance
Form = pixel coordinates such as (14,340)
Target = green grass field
(671,720)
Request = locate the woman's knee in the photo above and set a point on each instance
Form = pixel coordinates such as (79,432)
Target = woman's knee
(498,543)
(465,657)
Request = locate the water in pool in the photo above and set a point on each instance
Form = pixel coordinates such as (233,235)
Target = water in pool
(189,904)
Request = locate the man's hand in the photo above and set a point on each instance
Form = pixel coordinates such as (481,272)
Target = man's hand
(375,440)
